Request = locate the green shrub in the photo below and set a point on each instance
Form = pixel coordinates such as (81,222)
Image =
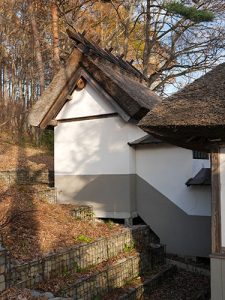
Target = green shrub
(129,247)
(83,238)
(109,224)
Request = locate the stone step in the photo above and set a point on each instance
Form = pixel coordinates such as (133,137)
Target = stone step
(149,284)
(142,285)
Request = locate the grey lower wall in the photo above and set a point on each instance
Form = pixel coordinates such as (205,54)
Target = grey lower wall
(217,278)
(112,196)
(183,234)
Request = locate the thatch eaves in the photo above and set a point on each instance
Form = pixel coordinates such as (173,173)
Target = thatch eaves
(62,85)
(202,103)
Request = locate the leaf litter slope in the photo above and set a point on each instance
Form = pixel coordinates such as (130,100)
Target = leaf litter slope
(29,157)
(38,227)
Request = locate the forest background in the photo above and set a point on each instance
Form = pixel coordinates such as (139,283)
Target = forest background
(171,42)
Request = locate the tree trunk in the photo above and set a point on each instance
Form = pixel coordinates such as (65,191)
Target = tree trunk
(146,54)
(55,35)
(37,46)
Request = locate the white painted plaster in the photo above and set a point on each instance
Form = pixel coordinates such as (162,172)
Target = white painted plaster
(167,168)
(222,189)
(96,146)
(87,102)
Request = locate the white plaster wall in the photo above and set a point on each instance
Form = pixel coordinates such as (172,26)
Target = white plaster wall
(167,168)
(87,102)
(96,146)
(222,188)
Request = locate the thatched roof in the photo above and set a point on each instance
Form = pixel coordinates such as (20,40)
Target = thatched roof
(117,77)
(193,116)
(133,96)
(202,103)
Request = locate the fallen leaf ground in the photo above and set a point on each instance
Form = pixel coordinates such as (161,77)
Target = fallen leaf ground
(16,294)
(182,286)
(15,155)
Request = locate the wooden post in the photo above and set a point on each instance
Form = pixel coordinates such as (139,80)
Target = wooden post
(216,204)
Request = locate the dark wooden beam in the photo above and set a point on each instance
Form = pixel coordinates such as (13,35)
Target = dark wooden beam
(94,117)
(53,122)
(216,205)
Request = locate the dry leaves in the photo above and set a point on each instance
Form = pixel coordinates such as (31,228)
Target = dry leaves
(13,156)
(40,228)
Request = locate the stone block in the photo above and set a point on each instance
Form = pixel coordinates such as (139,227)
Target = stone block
(2,286)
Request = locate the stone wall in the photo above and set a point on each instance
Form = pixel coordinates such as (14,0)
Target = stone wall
(82,212)
(116,276)
(3,265)
(111,277)
(26,176)
(80,257)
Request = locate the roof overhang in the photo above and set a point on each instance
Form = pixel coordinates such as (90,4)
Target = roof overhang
(146,140)
(203,138)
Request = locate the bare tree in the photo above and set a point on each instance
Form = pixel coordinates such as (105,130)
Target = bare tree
(37,45)
(55,35)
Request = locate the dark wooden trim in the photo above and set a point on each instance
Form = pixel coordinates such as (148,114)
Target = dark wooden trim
(53,123)
(104,116)
(216,205)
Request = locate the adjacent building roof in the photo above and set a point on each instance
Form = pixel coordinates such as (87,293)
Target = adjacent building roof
(117,77)
(195,112)
(146,140)
(202,178)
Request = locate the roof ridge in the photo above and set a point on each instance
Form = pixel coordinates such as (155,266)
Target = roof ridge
(90,48)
